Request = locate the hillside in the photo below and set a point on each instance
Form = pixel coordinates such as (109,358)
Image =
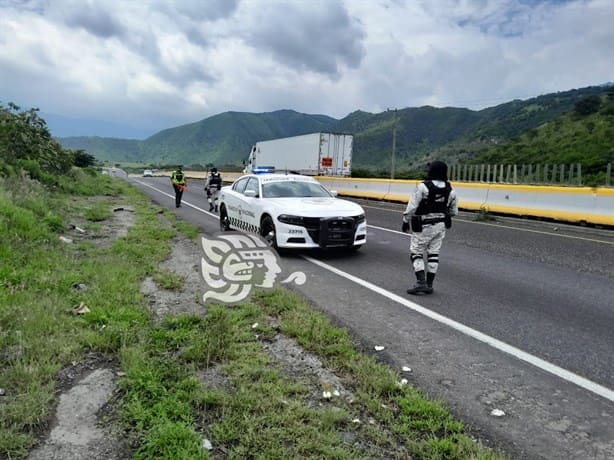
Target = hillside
(423,133)
(584,135)
(222,139)
(106,148)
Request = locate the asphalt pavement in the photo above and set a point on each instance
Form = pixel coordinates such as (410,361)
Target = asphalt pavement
(521,321)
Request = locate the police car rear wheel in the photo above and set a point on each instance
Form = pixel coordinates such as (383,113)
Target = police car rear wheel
(267,231)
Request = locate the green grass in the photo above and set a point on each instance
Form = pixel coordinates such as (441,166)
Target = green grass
(166,408)
(167,279)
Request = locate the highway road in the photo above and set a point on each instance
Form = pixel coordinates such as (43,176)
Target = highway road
(522,320)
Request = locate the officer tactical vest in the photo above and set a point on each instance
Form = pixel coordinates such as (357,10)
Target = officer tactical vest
(215,181)
(436,201)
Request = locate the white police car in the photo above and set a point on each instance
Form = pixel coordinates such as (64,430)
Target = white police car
(292,211)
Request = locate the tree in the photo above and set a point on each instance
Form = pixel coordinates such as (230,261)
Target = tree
(82,159)
(587,106)
(24,137)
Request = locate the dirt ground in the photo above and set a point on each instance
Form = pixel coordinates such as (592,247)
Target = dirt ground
(84,425)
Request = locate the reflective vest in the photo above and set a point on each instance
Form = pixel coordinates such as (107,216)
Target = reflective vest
(178,178)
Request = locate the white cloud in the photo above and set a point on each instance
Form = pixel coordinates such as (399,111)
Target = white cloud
(158,64)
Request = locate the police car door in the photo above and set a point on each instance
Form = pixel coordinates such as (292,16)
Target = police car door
(249,205)
(232,199)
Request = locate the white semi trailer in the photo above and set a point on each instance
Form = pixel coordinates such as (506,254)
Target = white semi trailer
(315,154)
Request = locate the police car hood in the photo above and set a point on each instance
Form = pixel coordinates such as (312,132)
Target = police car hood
(316,207)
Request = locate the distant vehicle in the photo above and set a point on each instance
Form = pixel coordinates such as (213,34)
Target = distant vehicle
(148,173)
(292,211)
(316,154)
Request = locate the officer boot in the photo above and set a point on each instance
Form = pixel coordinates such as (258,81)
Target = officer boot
(210,206)
(429,282)
(216,208)
(420,287)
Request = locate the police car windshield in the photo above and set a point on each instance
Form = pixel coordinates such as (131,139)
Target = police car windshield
(293,189)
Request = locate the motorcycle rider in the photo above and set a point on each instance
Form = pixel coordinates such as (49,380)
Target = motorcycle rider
(213,185)
(429,210)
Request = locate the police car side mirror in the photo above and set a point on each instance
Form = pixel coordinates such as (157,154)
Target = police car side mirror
(250,193)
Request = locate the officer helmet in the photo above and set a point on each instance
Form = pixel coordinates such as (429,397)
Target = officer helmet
(438,170)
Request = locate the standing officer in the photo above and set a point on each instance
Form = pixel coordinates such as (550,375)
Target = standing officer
(430,209)
(179,184)
(213,185)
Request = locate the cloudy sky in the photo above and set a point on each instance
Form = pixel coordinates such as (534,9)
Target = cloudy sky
(132,68)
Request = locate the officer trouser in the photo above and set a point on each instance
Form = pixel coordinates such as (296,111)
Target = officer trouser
(213,197)
(178,194)
(428,242)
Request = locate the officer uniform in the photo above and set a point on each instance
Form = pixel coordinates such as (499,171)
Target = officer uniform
(213,185)
(179,185)
(429,210)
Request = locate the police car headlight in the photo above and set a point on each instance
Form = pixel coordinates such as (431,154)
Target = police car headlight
(359,219)
(291,220)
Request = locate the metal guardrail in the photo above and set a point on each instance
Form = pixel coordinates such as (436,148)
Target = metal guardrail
(535,174)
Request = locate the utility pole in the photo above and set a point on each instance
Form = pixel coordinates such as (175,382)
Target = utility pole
(394,144)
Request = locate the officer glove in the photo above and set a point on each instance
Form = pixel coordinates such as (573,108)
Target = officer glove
(405,227)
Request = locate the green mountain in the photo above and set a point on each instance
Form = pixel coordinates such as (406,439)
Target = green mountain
(454,134)
(583,135)
(106,148)
(422,133)
(222,139)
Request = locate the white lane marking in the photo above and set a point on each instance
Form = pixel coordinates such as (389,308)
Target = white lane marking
(388,230)
(495,343)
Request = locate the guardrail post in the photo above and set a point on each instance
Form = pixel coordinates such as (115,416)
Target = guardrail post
(608,173)
(553,177)
(562,174)
(579,173)
(515,174)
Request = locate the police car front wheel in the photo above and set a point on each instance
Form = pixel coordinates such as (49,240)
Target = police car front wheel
(267,231)
(224,220)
